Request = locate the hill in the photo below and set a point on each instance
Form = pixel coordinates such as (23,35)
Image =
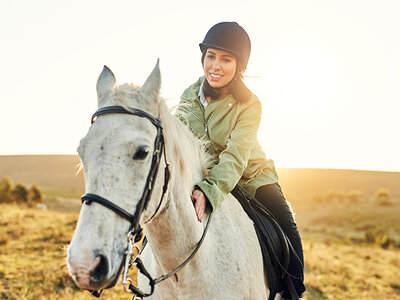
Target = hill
(302,184)
(57,174)
(54,174)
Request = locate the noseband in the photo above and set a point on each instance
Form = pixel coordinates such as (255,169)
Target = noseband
(135,230)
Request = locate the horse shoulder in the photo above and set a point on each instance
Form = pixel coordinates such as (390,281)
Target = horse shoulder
(238,257)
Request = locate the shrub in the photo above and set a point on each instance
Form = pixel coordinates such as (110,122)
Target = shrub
(354,196)
(379,237)
(35,195)
(5,190)
(317,198)
(382,196)
(341,196)
(330,196)
(19,194)
(333,195)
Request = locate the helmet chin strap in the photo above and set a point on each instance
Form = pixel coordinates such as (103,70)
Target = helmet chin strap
(215,93)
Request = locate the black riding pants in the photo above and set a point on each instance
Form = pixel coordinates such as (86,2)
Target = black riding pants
(272,198)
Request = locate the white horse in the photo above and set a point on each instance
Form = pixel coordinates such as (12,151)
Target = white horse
(228,264)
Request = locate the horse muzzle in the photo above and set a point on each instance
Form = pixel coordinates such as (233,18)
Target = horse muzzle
(91,271)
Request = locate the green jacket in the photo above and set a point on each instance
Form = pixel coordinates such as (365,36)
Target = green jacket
(232,129)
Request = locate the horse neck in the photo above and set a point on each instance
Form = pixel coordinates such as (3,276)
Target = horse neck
(173,233)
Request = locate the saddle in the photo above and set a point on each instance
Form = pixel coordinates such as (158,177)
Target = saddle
(275,246)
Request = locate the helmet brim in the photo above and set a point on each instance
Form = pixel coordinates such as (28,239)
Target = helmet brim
(205,46)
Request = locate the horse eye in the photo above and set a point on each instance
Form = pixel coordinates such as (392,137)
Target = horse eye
(141,153)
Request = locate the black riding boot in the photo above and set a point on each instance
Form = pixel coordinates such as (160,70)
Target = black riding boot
(272,198)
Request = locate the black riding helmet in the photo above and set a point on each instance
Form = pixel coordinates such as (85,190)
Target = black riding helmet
(231,37)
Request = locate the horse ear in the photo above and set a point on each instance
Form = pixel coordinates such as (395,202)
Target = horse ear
(153,83)
(105,83)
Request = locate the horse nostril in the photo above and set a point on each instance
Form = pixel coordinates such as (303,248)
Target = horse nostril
(101,269)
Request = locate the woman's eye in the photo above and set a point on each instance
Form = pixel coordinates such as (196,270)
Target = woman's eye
(141,153)
(210,56)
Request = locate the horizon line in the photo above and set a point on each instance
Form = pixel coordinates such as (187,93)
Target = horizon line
(284,167)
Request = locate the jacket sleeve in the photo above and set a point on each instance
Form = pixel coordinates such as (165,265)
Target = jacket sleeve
(234,158)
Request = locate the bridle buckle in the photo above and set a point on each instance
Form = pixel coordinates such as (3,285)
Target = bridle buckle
(130,259)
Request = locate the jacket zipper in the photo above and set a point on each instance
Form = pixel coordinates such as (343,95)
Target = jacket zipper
(206,124)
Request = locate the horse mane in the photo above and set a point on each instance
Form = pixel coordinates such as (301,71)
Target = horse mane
(186,152)
(190,150)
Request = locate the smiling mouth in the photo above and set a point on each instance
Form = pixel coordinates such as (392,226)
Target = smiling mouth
(215,76)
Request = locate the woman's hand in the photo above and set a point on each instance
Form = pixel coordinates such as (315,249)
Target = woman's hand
(200,201)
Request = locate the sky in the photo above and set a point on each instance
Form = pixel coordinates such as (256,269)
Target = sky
(327,72)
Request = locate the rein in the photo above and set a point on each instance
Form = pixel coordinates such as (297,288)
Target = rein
(135,230)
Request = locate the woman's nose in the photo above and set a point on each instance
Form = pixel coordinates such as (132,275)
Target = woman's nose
(217,64)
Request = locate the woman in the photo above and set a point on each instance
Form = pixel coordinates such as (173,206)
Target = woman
(220,108)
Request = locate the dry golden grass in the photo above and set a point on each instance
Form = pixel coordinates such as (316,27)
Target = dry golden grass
(352,250)
(341,261)
(337,271)
(32,256)
(338,265)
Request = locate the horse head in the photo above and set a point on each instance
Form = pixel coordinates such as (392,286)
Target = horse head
(116,156)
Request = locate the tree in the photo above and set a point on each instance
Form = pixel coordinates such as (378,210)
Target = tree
(35,195)
(19,193)
(5,190)
(383,196)
(354,196)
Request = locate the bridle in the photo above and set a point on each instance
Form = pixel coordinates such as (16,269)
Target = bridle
(159,147)
(135,231)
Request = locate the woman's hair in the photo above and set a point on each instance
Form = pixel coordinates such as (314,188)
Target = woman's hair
(236,86)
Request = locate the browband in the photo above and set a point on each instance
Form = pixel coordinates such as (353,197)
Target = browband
(131,111)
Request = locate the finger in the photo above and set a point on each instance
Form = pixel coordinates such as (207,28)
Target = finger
(198,210)
(201,210)
(198,216)
(195,196)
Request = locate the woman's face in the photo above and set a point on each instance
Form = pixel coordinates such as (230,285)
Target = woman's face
(219,67)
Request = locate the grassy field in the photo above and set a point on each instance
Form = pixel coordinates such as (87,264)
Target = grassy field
(32,256)
(352,250)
